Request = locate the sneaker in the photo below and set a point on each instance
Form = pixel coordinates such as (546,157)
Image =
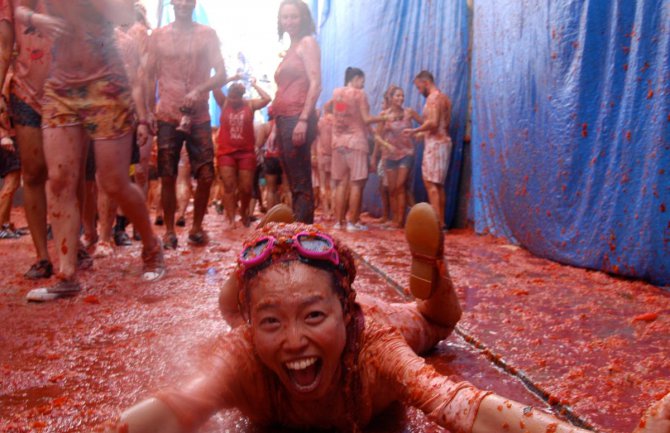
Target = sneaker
(159,220)
(7,232)
(84,259)
(360,226)
(170,241)
(154,263)
(62,289)
(181,222)
(338,226)
(40,269)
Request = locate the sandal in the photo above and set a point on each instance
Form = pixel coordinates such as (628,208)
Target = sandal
(426,243)
(154,263)
(279,213)
(198,239)
(62,289)
(40,269)
(170,241)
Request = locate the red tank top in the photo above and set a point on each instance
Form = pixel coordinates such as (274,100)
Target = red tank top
(292,86)
(237,130)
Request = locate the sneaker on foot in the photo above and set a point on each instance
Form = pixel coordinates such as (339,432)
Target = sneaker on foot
(40,269)
(7,232)
(181,222)
(121,238)
(154,262)
(338,226)
(198,239)
(62,289)
(360,226)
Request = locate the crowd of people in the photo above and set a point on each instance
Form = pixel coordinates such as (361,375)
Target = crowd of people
(90,91)
(134,104)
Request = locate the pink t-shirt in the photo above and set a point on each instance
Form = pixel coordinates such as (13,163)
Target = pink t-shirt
(31,64)
(349,128)
(292,85)
(87,52)
(182,60)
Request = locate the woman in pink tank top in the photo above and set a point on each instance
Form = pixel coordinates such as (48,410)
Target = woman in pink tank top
(298,80)
(397,150)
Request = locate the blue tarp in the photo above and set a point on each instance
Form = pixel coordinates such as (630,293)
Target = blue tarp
(571,120)
(392,41)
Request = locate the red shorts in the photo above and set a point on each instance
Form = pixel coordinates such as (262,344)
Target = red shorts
(240,159)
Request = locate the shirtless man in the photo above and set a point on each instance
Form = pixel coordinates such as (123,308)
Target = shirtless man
(30,66)
(180,58)
(438,146)
(87,96)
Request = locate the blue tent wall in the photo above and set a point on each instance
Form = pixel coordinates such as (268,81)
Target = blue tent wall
(392,41)
(571,120)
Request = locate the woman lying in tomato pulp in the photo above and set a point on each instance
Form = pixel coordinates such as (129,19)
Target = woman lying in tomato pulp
(310,353)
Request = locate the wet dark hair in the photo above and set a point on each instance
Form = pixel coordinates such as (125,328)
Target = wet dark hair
(307,26)
(342,275)
(388,95)
(352,73)
(425,75)
(236,89)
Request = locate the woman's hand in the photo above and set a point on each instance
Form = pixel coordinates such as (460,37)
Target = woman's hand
(299,133)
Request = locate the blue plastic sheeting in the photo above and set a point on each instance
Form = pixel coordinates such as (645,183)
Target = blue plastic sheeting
(392,41)
(571,119)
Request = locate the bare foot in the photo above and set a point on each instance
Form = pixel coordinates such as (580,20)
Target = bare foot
(657,418)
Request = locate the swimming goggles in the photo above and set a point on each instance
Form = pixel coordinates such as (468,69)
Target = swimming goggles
(309,245)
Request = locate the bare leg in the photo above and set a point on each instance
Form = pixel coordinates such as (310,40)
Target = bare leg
(10,185)
(65,152)
(401,196)
(169,202)
(436,199)
(34,171)
(326,194)
(113,160)
(184,186)
(341,187)
(272,189)
(229,177)
(246,180)
(205,177)
(356,199)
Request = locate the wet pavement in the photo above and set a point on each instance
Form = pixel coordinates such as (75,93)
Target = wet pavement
(594,346)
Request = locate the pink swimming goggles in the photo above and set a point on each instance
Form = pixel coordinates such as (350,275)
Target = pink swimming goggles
(309,245)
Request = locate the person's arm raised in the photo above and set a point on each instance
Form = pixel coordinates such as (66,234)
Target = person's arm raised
(265,98)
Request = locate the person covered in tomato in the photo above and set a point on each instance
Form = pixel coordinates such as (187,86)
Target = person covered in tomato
(312,354)
(236,151)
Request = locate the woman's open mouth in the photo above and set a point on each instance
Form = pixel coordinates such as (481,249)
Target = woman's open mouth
(305,374)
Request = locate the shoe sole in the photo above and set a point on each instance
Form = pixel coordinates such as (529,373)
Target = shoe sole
(279,213)
(43,294)
(423,234)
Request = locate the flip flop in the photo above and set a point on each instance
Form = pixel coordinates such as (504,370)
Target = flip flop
(279,213)
(426,243)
